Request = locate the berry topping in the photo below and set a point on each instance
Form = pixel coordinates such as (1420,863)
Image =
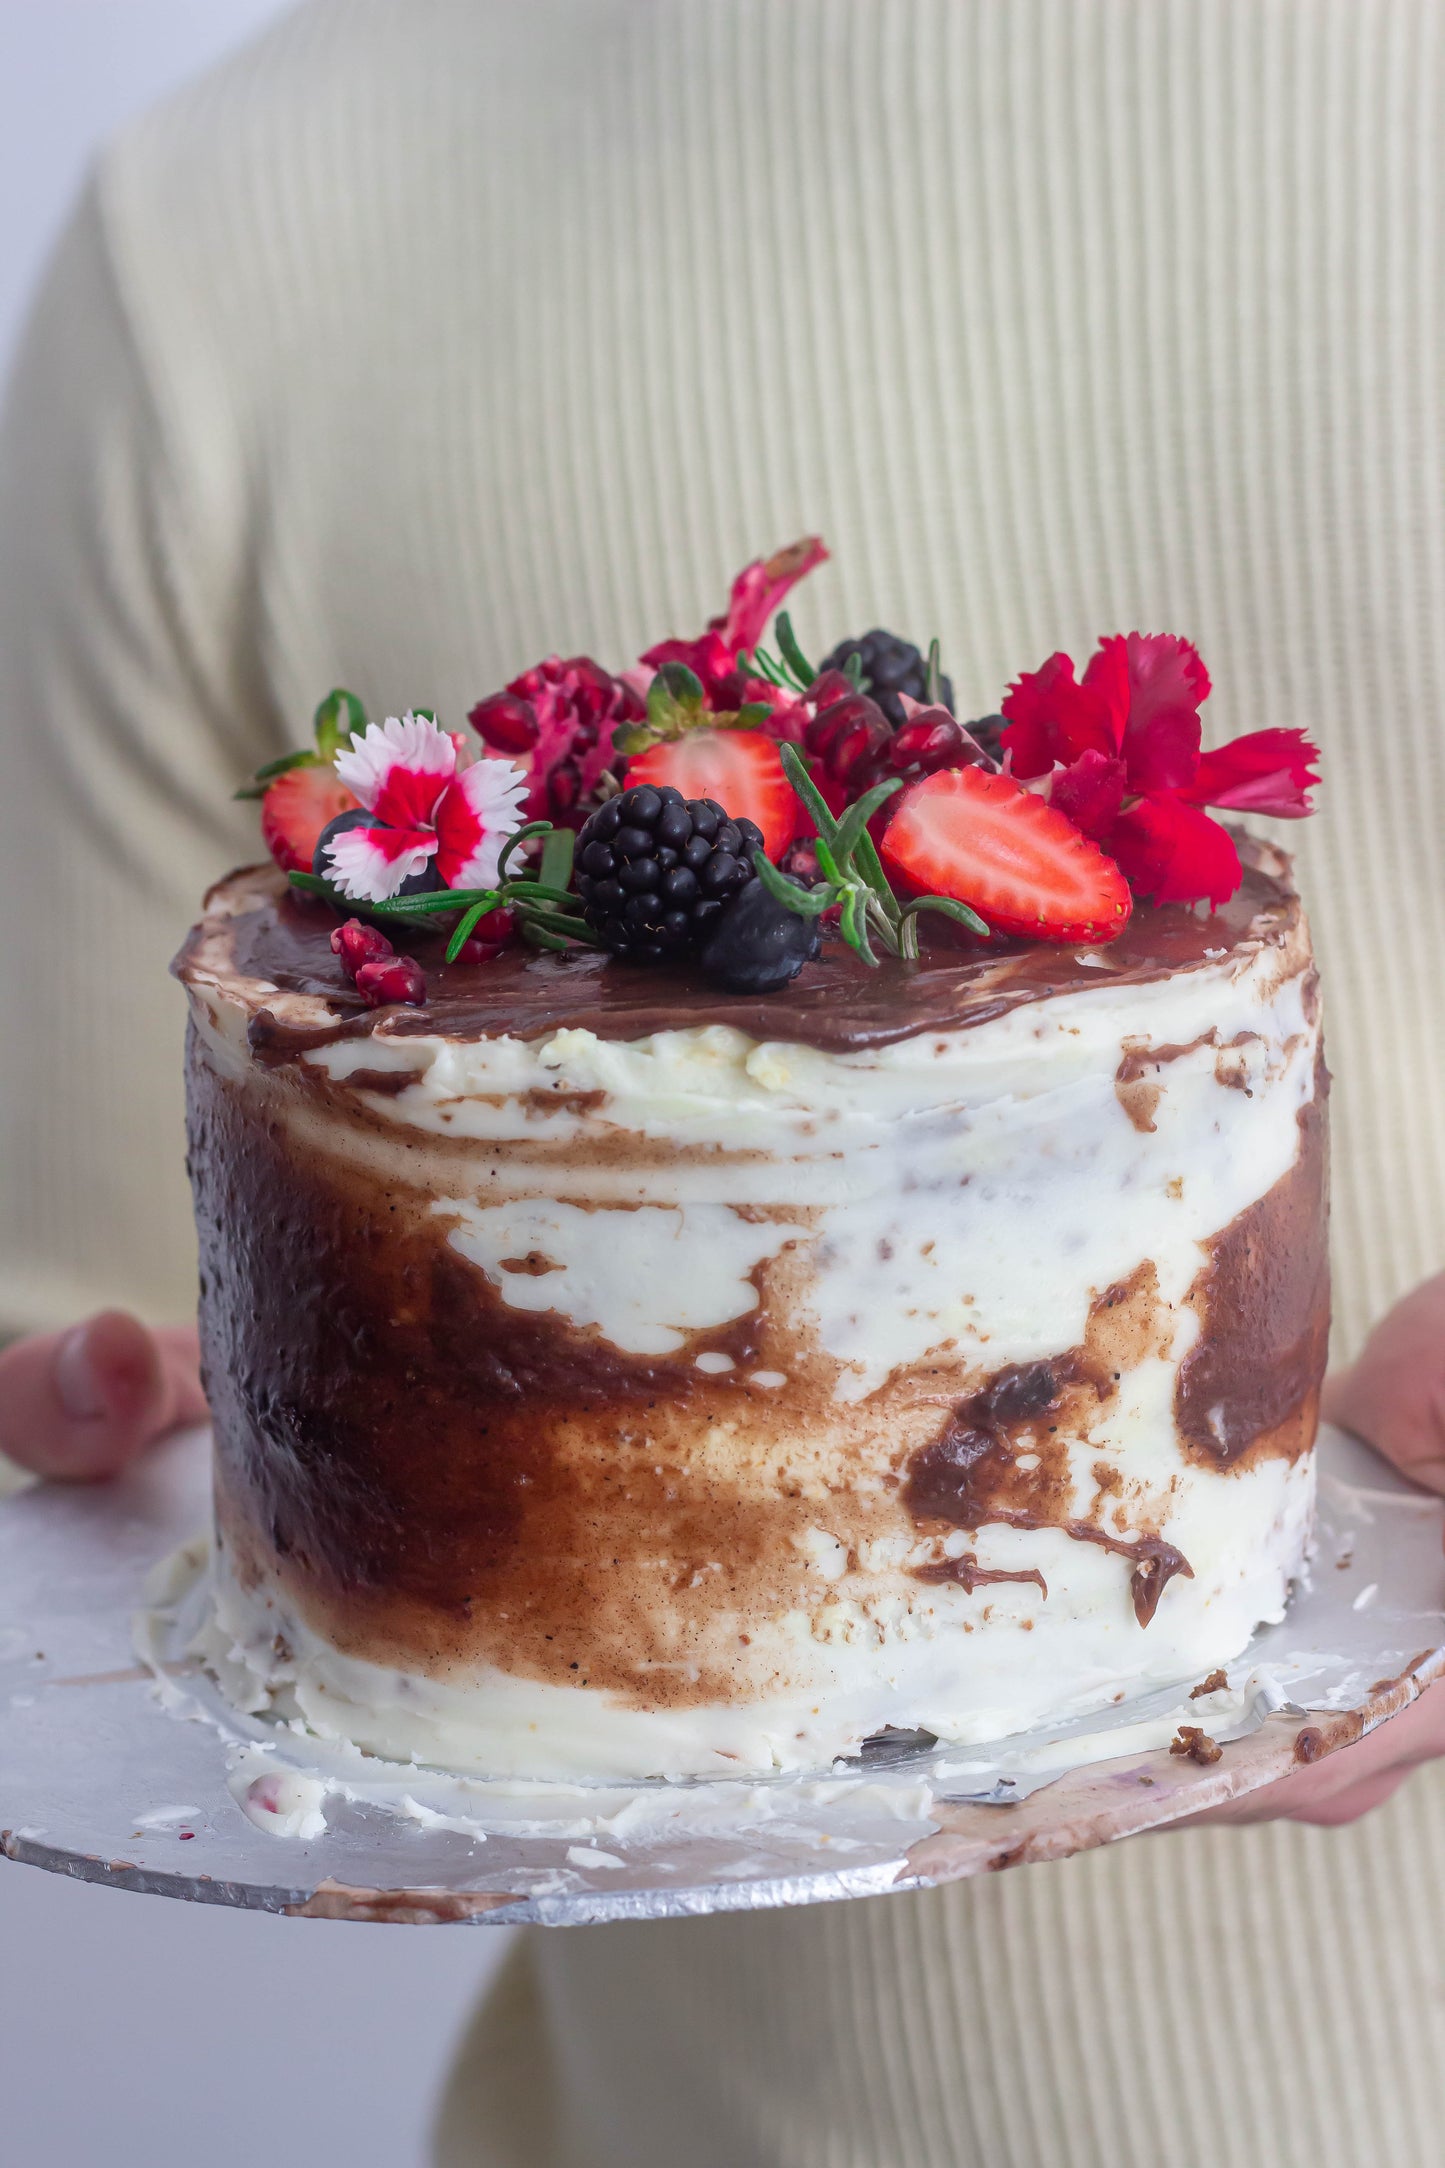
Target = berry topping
(855,744)
(736,768)
(296,809)
(756,944)
(558,719)
(491,937)
(985,841)
(356,945)
(889,666)
(391,979)
(654,870)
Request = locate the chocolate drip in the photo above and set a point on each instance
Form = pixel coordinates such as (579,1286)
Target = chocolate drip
(971,1474)
(1263,1302)
(1136,1081)
(836,1004)
(968,1574)
(1157,1563)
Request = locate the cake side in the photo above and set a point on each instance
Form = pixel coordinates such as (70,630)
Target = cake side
(646,1394)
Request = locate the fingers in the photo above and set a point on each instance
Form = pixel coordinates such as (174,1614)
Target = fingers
(1394,1396)
(82,1404)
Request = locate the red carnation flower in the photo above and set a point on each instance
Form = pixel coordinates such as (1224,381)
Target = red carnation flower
(1121,747)
(558,720)
(757,592)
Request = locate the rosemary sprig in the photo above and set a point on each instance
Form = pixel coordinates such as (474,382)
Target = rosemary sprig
(543,902)
(793,657)
(870,915)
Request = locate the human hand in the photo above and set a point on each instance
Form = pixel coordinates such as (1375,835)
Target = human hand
(1393,1398)
(82,1404)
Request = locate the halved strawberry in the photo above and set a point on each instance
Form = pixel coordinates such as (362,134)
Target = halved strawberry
(740,769)
(983,840)
(295,809)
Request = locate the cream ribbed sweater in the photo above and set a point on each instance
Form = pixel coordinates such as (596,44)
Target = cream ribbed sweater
(425,338)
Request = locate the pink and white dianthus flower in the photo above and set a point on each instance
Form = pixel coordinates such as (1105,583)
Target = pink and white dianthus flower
(425,807)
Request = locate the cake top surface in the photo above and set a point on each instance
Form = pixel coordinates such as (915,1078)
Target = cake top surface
(259,934)
(722,834)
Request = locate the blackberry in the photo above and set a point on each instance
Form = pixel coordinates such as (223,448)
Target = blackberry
(757,945)
(654,870)
(988,731)
(890,666)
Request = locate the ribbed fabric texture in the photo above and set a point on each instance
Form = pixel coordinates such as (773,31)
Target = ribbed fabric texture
(423,339)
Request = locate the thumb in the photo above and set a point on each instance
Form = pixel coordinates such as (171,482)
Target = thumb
(84,1403)
(1394,1396)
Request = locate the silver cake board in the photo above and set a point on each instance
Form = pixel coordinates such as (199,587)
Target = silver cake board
(120,1764)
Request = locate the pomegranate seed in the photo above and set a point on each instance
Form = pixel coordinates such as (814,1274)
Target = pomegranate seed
(356,945)
(491,937)
(929,745)
(832,686)
(392,979)
(505,723)
(856,747)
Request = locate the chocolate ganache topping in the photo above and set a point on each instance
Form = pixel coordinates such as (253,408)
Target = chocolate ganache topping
(282,939)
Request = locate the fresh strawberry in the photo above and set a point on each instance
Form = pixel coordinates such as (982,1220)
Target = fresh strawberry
(983,840)
(739,769)
(295,809)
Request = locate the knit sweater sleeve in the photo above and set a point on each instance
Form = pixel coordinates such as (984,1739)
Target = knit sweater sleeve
(125,722)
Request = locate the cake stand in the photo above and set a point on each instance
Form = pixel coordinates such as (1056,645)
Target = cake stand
(120,1764)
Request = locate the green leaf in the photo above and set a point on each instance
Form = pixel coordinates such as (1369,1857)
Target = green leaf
(807,902)
(540,938)
(933,683)
(555,870)
(752,715)
(858,815)
(251,790)
(795,769)
(828,864)
(529,891)
(559,922)
(520,835)
(338,720)
(949,909)
(315,886)
(463,932)
(870,867)
(285,763)
(792,654)
(768,666)
(855,926)
(908,937)
(427,905)
(674,702)
(853,671)
(888,930)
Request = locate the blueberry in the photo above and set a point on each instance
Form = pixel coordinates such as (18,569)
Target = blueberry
(757,945)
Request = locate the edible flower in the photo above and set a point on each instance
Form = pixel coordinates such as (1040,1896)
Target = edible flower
(1121,749)
(719,656)
(426,810)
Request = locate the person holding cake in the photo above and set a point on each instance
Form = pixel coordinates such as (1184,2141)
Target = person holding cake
(222,494)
